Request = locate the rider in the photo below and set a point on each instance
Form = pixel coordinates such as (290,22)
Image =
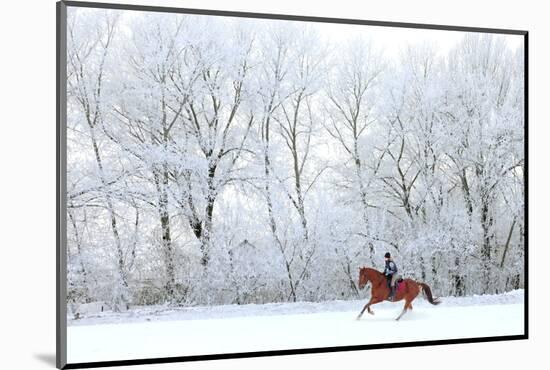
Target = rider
(390,271)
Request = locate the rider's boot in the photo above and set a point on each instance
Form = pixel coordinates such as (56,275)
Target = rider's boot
(392,293)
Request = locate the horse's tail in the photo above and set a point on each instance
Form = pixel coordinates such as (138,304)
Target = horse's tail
(428,293)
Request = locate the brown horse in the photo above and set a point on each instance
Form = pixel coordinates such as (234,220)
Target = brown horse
(381,292)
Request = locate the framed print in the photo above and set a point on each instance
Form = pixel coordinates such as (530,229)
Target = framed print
(240,184)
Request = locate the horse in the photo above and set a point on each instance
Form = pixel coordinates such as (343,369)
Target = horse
(381,292)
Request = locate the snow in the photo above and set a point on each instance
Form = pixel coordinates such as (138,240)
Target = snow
(146,333)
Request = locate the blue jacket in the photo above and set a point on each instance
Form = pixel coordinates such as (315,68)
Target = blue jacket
(391,268)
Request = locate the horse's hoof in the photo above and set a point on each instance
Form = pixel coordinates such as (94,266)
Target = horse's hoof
(358,318)
(372,313)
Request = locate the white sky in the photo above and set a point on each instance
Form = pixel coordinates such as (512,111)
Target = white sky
(391,39)
(394,39)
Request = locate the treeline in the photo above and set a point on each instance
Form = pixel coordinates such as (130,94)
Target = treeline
(216,161)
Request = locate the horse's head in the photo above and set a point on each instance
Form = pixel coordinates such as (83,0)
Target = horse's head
(363,277)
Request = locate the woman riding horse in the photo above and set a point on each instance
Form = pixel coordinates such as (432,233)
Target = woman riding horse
(390,271)
(381,292)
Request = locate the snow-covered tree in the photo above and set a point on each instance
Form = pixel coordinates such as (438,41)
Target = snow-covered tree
(216,160)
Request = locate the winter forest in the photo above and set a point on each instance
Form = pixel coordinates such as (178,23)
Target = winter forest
(215,160)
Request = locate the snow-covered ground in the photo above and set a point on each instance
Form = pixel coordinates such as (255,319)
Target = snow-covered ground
(167,332)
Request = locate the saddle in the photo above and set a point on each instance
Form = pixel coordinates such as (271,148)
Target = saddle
(399,286)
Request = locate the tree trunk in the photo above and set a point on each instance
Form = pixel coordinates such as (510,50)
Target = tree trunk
(113,221)
(83,270)
(362,196)
(422,268)
(161,181)
(298,189)
(486,225)
(271,216)
(351,279)
(209,212)
(434,273)
(466,193)
(507,245)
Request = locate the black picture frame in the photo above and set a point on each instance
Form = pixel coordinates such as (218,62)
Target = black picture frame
(61,170)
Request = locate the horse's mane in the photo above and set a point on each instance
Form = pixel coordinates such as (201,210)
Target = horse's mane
(371,269)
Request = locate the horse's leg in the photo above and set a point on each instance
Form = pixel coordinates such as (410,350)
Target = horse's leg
(369,310)
(363,310)
(402,313)
(404,310)
(367,307)
(408,306)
